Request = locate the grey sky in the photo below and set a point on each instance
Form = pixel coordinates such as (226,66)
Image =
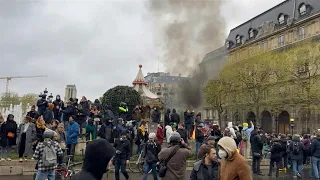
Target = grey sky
(95,44)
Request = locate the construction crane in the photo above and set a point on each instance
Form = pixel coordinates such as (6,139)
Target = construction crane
(18,77)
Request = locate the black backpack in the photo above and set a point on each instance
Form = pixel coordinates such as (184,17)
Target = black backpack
(295,148)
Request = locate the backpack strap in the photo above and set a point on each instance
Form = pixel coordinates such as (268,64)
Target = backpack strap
(173,152)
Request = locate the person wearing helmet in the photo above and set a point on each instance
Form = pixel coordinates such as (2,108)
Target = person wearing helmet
(179,152)
(123,111)
(199,136)
(232,164)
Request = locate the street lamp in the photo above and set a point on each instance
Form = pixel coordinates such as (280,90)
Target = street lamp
(50,98)
(275,114)
(292,125)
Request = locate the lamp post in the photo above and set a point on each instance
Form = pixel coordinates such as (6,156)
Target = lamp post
(275,114)
(292,125)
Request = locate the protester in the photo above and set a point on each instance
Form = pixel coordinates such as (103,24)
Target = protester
(105,131)
(72,136)
(26,134)
(48,115)
(54,125)
(156,115)
(142,136)
(90,131)
(58,105)
(232,164)
(42,104)
(47,153)
(96,160)
(188,121)
(3,141)
(122,157)
(174,117)
(177,164)
(256,150)
(207,167)
(33,114)
(276,156)
(296,149)
(160,133)
(11,129)
(152,149)
(209,142)
(40,128)
(169,131)
(183,132)
(199,135)
(167,118)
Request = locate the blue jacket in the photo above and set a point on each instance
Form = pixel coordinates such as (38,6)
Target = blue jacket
(72,133)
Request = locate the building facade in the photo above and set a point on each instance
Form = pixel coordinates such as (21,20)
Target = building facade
(284,25)
(70,92)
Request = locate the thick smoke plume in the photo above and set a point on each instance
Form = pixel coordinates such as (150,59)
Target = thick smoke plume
(185,31)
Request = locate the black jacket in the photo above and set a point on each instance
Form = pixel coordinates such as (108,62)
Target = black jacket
(200,171)
(256,142)
(175,118)
(151,151)
(188,117)
(184,134)
(48,116)
(97,156)
(123,150)
(167,117)
(42,105)
(296,156)
(3,135)
(33,114)
(199,136)
(276,151)
(12,127)
(315,147)
(156,116)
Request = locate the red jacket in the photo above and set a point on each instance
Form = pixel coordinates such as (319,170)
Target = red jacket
(160,134)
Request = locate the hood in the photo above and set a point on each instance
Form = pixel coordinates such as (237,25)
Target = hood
(229,124)
(296,139)
(168,127)
(174,111)
(96,159)
(58,98)
(10,115)
(168,111)
(229,145)
(254,133)
(97,101)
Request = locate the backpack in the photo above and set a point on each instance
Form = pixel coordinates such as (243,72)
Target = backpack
(244,135)
(295,148)
(49,156)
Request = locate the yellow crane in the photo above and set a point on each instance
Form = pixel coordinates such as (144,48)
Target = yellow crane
(18,77)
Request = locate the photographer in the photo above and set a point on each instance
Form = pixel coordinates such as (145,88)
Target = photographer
(122,146)
(42,104)
(176,165)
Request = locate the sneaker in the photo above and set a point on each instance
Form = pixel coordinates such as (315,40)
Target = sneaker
(8,159)
(25,159)
(299,175)
(2,159)
(295,177)
(32,158)
(20,160)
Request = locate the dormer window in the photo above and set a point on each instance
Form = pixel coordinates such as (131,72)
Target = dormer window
(238,39)
(227,44)
(251,33)
(281,19)
(303,9)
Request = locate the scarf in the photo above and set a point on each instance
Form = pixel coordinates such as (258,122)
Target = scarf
(40,124)
(142,130)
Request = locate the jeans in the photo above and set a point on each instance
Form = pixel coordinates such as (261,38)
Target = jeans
(278,165)
(315,167)
(256,165)
(297,166)
(138,149)
(120,165)
(71,150)
(147,167)
(5,152)
(285,161)
(198,145)
(41,175)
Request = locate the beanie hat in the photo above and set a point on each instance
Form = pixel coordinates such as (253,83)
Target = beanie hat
(61,125)
(152,135)
(245,124)
(48,134)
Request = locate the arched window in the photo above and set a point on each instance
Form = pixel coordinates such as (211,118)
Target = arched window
(238,39)
(303,9)
(281,19)
(227,44)
(251,33)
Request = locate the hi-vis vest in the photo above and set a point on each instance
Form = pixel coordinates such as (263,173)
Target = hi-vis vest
(123,109)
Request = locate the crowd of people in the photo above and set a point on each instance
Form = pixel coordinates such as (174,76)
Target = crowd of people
(54,129)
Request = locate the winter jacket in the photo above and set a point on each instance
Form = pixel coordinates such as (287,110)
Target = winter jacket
(81,116)
(152,149)
(33,114)
(3,135)
(306,143)
(232,131)
(175,118)
(72,133)
(160,134)
(256,143)
(296,156)
(315,147)
(109,115)
(48,116)
(188,118)
(168,133)
(91,130)
(142,137)
(105,132)
(42,105)
(12,127)
(85,106)
(184,134)
(67,112)
(156,115)
(199,136)
(276,151)
(167,118)
(200,171)
(123,149)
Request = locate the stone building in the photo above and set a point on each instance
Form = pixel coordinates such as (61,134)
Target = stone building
(70,92)
(287,23)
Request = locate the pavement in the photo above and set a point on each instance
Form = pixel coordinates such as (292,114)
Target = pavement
(137,176)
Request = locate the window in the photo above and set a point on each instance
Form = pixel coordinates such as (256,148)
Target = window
(281,19)
(251,33)
(302,32)
(238,39)
(264,46)
(303,9)
(281,40)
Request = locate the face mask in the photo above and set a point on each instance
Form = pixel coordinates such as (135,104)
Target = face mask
(222,154)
